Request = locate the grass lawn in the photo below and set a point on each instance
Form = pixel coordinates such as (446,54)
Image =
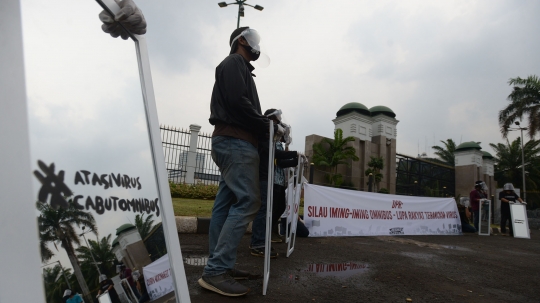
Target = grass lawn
(192,207)
(197,207)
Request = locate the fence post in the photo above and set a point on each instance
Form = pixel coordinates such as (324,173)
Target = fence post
(192,154)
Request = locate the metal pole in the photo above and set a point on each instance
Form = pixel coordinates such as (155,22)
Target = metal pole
(370,182)
(523,166)
(64,274)
(238,22)
(311,172)
(91,254)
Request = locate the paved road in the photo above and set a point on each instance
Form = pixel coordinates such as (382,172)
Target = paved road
(467,268)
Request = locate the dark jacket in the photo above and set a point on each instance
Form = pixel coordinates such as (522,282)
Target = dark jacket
(282,158)
(234,97)
(474,198)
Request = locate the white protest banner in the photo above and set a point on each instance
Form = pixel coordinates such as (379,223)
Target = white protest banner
(332,212)
(158,279)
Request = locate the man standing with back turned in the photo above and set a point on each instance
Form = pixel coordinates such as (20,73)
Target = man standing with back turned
(235,112)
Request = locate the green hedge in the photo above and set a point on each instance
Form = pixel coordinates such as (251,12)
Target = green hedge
(197,191)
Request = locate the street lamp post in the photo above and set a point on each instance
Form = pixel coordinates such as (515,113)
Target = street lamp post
(63,272)
(89,249)
(240,4)
(522,158)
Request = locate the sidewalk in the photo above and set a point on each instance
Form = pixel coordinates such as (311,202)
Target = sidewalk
(467,268)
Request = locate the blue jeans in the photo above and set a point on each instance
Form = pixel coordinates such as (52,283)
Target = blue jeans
(467,228)
(301,229)
(258,229)
(476,219)
(237,201)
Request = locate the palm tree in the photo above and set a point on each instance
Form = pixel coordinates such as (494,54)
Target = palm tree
(334,152)
(508,163)
(446,153)
(102,252)
(144,226)
(57,226)
(524,101)
(55,283)
(376,164)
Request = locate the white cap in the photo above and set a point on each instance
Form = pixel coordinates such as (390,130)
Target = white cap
(102,278)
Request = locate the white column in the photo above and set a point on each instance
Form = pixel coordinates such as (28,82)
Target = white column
(192,154)
(20,257)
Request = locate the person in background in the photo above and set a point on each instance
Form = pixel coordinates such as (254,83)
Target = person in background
(107,285)
(66,295)
(74,298)
(141,287)
(508,196)
(125,273)
(465,215)
(282,160)
(477,194)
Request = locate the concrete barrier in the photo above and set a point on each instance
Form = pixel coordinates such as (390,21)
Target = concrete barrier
(194,225)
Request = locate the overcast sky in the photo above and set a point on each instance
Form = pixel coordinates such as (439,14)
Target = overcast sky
(441,66)
(86,109)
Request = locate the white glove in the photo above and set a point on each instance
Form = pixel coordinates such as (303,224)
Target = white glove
(511,202)
(278,131)
(130,16)
(524,202)
(306,162)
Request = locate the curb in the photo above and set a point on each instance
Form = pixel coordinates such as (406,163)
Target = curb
(201,225)
(196,225)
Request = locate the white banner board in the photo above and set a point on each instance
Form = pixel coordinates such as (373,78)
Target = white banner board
(104,298)
(158,279)
(520,223)
(332,212)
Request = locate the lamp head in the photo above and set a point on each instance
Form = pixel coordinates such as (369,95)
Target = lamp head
(222,4)
(258,7)
(517,123)
(241,10)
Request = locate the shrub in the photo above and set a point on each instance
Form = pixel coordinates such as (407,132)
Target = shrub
(195,191)
(383,191)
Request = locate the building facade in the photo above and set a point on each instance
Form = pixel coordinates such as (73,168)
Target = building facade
(375,134)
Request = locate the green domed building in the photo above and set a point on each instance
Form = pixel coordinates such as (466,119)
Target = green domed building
(375,132)
(473,164)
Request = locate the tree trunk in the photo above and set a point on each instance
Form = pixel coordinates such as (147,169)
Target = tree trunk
(78,273)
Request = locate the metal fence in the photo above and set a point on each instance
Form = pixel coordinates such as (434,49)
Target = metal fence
(188,156)
(175,145)
(206,171)
(419,177)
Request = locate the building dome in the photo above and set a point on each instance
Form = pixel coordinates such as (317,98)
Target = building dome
(380,109)
(353,107)
(124,228)
(468,146)
(486,155)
